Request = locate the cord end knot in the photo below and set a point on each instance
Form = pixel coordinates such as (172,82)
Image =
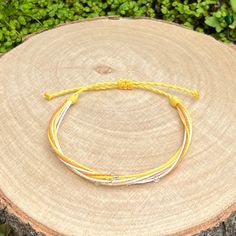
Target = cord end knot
(174,101)
(125,84)
(48,96)
(73,98)
(196,94)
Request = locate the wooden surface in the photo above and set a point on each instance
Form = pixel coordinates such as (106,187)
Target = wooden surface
(118,131)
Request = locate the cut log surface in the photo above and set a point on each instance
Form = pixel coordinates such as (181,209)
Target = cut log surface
(118,131)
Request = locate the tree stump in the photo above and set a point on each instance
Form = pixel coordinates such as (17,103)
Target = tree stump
(119,131)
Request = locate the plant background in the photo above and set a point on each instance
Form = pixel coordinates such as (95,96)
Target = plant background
(21,17)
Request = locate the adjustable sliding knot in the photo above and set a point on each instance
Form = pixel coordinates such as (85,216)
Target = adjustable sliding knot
(74,97)
(125,84)
(174,101)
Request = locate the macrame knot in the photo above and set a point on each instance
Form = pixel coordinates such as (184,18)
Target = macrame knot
(125,84)
(174,101)
(74,97)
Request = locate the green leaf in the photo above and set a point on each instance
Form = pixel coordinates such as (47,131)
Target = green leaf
(213,22)
(164,10)
(22,20)
(233,25)
(233,5)
(229,19)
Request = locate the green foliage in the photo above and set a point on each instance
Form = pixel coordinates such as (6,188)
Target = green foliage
(21,17)
(215,17)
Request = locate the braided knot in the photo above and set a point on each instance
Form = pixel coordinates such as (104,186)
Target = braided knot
(125,84)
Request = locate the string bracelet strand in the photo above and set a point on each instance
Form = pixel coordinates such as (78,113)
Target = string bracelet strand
(111,179)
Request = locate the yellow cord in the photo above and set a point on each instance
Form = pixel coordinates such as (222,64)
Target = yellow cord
(124,84)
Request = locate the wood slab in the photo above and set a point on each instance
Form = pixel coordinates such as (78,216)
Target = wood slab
(118,131)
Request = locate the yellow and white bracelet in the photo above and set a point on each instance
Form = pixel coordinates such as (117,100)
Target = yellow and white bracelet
(109,179)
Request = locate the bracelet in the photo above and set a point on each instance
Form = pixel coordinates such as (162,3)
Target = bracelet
(111,179)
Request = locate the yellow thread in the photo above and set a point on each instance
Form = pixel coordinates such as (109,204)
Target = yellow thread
(111,179)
